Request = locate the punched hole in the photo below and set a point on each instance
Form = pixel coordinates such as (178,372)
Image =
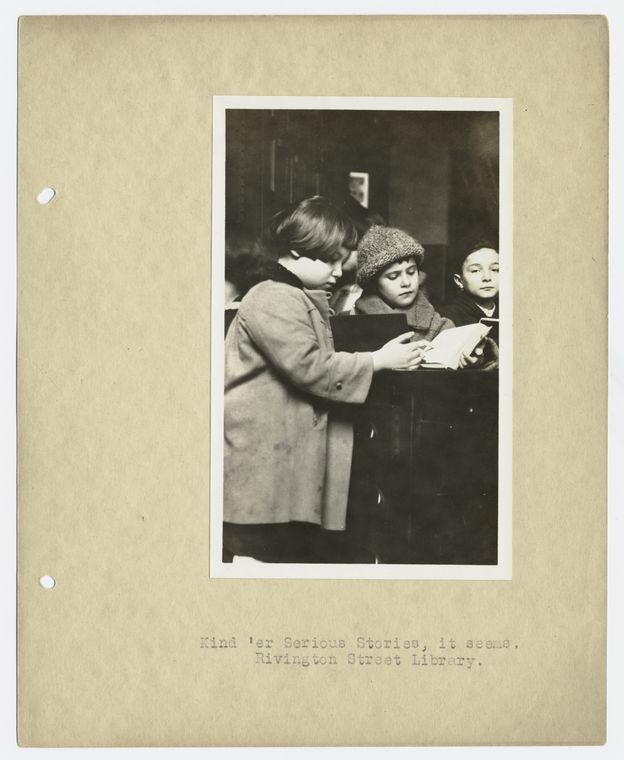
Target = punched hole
(47,581)
(46,195)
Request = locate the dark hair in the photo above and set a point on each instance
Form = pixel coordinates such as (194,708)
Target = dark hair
(476,246)
(314,228)
(244,256)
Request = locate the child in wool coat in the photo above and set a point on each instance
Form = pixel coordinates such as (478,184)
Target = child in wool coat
(388,262)
(387,272)
(287,458)
(476,278)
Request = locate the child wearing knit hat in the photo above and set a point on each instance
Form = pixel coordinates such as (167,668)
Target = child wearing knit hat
(387,271)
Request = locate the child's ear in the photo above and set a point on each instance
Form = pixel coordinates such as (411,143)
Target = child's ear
(458,281)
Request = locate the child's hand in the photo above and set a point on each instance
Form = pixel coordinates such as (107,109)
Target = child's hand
(399,353)
(474,358)
(490,355)
(424,344)
(484,356)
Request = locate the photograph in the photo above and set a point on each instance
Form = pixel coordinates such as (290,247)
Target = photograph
(357,247)
(310,370)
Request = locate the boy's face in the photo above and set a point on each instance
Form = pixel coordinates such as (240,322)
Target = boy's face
(479,275)
(397,284)
(316,274)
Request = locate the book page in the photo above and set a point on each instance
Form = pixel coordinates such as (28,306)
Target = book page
(448,346)
(125,638)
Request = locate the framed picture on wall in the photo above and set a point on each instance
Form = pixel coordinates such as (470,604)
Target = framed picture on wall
(358,187)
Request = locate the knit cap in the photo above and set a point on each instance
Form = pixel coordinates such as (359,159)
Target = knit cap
(382,246)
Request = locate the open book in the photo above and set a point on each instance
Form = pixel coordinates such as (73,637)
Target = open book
(447,347)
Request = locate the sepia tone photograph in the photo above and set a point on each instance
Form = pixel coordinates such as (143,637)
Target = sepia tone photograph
(361,298)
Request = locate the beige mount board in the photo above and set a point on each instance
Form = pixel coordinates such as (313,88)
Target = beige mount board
(114,404)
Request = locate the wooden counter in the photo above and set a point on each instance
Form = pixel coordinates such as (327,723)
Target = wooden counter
(425,469)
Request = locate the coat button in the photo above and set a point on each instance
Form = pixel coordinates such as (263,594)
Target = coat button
(339,385)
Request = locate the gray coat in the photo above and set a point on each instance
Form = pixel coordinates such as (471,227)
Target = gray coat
(286,457)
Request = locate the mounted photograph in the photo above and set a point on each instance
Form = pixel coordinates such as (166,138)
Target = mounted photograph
(361,338)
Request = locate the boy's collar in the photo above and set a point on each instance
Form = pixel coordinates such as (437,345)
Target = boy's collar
(279,273)
(470,301)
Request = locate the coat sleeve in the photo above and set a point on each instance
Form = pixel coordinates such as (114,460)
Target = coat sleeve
(278,321)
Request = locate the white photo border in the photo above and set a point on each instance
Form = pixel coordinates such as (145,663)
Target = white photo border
(503,569)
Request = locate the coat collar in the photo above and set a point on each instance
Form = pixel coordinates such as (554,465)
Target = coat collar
(272,270)
(278,273)
(320,298)
(419,315)
(469,305)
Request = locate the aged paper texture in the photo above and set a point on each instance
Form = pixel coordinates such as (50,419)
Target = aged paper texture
(135,644)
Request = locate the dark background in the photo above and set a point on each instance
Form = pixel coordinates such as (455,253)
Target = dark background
(434,174)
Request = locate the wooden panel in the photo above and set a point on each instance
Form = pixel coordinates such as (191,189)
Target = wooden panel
(426,466)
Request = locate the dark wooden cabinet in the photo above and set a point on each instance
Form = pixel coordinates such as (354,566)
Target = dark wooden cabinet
(424,487)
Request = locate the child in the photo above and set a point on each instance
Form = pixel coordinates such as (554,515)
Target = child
(287,460)
(244,255)
(388,261)
(477,282)
(387,272)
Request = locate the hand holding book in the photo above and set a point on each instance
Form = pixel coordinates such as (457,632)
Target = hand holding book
(457,348)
